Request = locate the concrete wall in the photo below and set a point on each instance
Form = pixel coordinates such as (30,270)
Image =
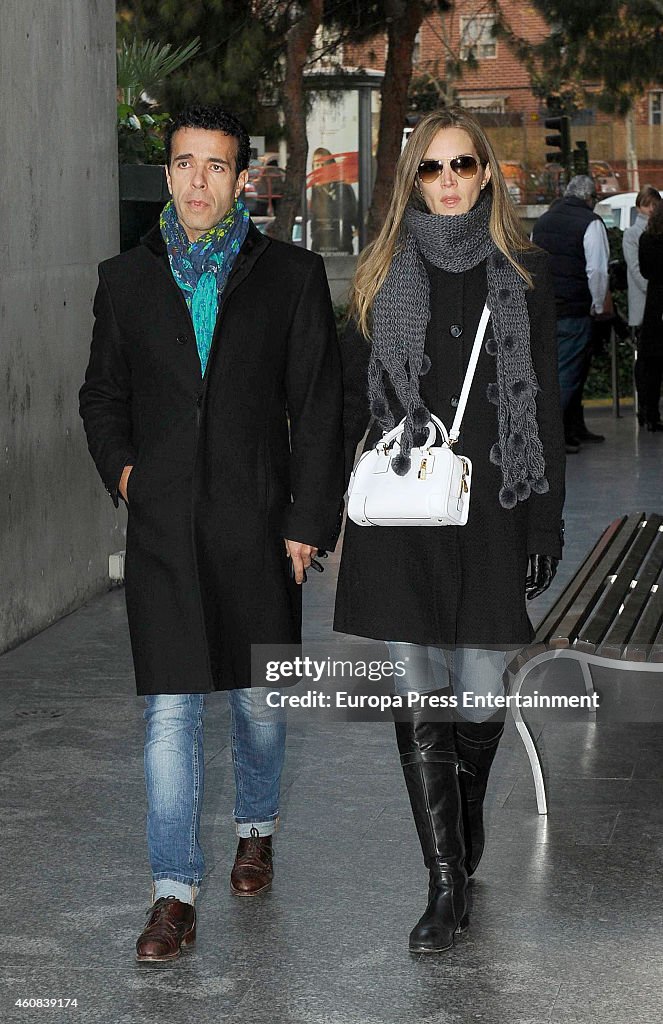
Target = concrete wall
(58,218)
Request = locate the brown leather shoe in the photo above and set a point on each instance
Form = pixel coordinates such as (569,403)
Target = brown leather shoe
(252,871)
(170,926)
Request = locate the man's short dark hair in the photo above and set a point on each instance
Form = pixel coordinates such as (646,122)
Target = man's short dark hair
(214,119)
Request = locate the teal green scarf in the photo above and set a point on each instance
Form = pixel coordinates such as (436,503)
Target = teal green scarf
(202,268)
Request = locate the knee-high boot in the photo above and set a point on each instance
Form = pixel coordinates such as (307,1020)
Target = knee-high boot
(476,745)
(430,767)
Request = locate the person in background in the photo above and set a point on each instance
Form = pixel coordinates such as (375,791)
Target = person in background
(577,241)
(650,348)
(647,199)
(333,210)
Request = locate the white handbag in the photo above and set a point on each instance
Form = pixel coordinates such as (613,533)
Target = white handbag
(436,489)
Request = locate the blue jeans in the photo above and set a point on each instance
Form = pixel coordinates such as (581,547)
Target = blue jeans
(574,334)
(462,669)
(175,779)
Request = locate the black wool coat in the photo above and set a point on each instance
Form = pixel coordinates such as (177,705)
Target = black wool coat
(651,267)
(451,584)
(225,466)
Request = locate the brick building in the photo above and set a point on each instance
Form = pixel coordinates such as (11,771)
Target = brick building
(498,83)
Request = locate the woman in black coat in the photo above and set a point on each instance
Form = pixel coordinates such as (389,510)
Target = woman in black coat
(650,344)
(452,599)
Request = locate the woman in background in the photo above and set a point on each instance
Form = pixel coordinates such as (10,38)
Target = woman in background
(650,344)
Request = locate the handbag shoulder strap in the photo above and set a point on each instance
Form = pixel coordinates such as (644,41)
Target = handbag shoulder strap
(469,375)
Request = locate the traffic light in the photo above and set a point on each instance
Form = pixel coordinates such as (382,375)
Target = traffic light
(562,141)
(580,158)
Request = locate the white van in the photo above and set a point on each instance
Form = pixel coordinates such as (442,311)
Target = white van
(618,211)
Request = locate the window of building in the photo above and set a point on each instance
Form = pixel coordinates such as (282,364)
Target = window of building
(477,37)
(416,49)
(483,104)
(656,107)
(327,51)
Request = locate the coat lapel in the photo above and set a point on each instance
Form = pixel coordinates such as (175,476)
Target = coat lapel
(252,248)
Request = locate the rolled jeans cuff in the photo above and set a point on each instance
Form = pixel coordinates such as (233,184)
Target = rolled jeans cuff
(182,891)
(264,828)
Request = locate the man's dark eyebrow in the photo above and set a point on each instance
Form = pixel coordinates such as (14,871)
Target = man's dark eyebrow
(210,159)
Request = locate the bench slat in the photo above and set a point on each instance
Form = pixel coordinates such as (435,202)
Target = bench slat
(640,646)
(593,632)
(657,648)
(548,625)
(647,640)
(588,596)
(635,606)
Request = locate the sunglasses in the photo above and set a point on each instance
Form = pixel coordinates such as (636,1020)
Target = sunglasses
(464,166)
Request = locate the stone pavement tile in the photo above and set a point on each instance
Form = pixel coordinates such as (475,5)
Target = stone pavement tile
(52,682)
(637,829)
(567,793)
(65,807)
(43,735)
(551,869)
(505,825)
(580,750)
(333,807)
(389,986)
(128,993)
(616,987)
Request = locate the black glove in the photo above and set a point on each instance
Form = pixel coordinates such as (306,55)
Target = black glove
(542,569)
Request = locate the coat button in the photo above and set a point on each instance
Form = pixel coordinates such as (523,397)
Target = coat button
(455,330)
(182,339)
(454,401)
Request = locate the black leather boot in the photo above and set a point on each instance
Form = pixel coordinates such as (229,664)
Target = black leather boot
(476,745)
(430,767)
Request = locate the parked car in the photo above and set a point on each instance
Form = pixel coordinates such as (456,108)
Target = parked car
(264,188)
(522,184)
(618,211)
(516,179)
(605,179)
(263,223)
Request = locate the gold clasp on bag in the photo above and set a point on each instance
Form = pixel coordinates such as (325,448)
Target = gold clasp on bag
(422,470)
(463,481)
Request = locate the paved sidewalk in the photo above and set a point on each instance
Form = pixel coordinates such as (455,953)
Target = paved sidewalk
(567,916)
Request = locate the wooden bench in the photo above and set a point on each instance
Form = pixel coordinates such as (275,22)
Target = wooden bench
(610,614)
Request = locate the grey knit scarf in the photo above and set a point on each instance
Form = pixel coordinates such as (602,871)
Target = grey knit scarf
(401,312)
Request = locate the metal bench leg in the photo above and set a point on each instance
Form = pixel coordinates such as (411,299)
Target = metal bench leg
(589,684)
(530,746)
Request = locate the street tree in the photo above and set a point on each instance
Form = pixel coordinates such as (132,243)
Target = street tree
(610,50)
(238,62)
(304,21)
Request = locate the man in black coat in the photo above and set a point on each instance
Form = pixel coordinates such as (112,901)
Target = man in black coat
(212,405)
(576,239)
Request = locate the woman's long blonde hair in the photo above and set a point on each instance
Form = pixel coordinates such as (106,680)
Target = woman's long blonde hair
(505,227)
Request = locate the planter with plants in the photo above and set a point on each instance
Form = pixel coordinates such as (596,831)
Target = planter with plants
(141,67)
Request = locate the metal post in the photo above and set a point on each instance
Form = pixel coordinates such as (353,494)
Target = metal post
(636,405)
(365,161)
(614,374)
(304,215)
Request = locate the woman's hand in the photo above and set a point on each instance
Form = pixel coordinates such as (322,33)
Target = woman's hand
(542,569)
(300,555)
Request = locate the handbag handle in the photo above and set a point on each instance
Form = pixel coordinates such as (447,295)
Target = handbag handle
(394,434)
(451,437)
(469,375)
